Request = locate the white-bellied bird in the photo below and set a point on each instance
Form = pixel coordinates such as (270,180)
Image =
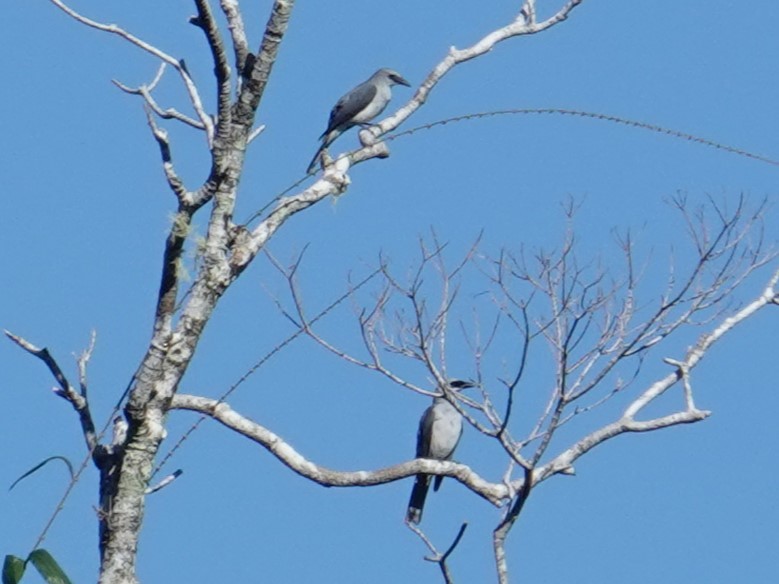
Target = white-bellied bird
(358,107)
(439,433)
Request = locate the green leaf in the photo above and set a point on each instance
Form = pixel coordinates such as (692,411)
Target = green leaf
(48,567)
(37,466)
(13,570)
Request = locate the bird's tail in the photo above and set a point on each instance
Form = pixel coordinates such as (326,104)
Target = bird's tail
(417,501)
(327,139)
(315,160)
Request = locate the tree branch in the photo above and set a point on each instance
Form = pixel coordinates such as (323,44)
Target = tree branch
(335,181)
(237,32)
(174,181)
(257,79)
(65,389)
(696,354)
(287,455)
(189,84)
(438,557)
(500,533)
(166,114)
(206,22)
(524,24)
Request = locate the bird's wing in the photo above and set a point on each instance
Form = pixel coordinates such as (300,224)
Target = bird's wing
(447,455)
(425,432)
(451,452)
(349,106)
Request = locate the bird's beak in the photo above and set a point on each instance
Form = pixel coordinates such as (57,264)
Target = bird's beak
(461,384)
(400,81)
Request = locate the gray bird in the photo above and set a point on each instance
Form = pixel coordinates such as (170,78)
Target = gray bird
(359,106)
(439,432)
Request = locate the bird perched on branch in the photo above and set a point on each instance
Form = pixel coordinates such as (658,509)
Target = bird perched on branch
(439,432)
(359,106)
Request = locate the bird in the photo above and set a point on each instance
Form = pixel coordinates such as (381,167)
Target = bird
(439,433)
(359,106)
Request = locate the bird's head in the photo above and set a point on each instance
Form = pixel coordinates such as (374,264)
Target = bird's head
(393,77)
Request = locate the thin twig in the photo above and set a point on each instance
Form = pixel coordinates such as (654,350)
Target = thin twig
(189,84)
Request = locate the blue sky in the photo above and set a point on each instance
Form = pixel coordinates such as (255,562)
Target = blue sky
(85,210)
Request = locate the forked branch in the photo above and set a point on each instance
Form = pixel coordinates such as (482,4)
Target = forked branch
(77,399)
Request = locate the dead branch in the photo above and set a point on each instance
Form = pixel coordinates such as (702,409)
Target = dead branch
(436,556)
(189,84)
(166,114)
(237,33)
(174,181)
(524,23)
(286,454)
(64,389)
(206,22)
(334,181)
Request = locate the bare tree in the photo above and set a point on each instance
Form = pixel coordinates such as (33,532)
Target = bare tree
(593,323)
(592,320)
